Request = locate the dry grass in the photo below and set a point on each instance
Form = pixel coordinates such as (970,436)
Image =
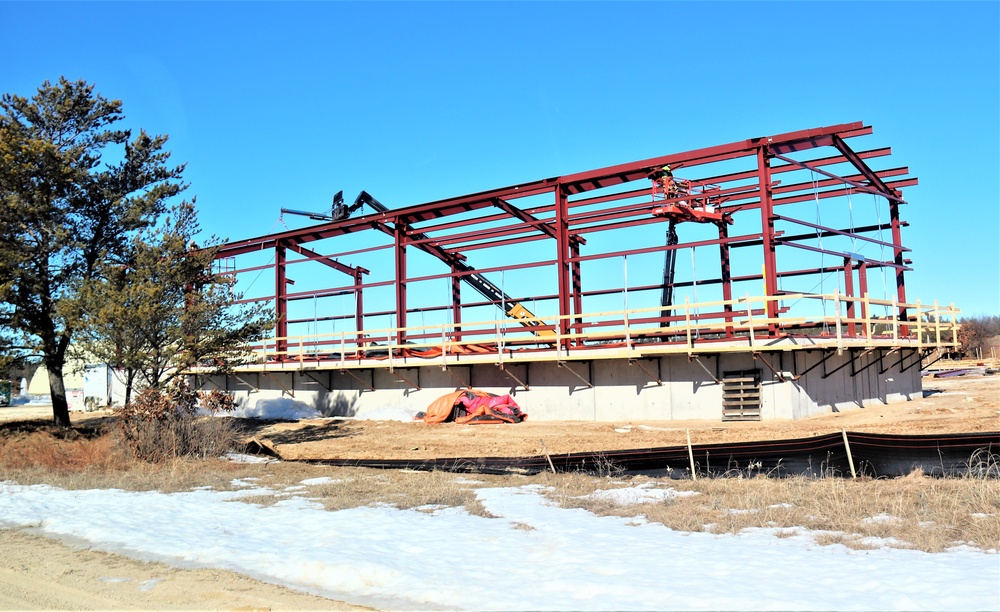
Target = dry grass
(929,514)
(354,487)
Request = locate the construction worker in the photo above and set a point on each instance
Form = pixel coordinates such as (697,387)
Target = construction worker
(669,184)
(664,179)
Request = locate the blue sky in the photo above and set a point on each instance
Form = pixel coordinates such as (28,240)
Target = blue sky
(280,105)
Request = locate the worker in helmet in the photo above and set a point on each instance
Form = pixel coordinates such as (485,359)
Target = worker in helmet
(663,178)
(669,184)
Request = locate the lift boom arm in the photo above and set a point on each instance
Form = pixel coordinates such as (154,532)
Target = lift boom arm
(669,266)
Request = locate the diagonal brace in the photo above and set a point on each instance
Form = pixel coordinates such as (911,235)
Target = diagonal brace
(563,364)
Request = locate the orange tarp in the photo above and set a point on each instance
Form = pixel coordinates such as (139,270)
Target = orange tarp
(440,409)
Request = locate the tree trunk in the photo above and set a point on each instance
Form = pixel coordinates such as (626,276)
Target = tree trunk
(57,391)
(129,383)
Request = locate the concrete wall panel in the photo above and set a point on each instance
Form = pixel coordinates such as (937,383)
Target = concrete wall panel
(621,391)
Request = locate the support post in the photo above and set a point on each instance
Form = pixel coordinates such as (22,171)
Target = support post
(767,228)
(576,288)
(897,250)
(400,254)
(849,294)
(694,476)
(850,458)
(359,310)
(456,304)
(562,263)
(863,292)
(280,302)
(727,284)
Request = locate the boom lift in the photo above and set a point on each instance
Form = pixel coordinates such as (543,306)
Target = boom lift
(681,200)
(511,307)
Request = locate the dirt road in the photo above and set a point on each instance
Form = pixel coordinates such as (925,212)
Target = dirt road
(37,573)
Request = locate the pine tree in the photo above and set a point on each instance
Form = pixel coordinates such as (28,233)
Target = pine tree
(161,310)
(73,192)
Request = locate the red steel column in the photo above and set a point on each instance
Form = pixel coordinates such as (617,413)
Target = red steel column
(727,284)
(577,287)
(280,300)
(456,304)
(897,240)
(359,309)
(562,258)
(400,254)
(849,293)
(767,228)
(863,286)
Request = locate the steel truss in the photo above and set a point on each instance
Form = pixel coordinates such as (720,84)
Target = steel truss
(748,185)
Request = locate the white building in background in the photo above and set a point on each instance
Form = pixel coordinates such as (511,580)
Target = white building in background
(88,386)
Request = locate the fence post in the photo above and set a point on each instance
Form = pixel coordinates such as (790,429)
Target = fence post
(850,459)
(694,476)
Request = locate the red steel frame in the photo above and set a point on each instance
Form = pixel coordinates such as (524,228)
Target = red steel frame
(572,212)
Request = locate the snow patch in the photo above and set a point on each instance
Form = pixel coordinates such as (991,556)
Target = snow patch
(637,495)
(244,458)
(378,556)
(309,482)
(280,408)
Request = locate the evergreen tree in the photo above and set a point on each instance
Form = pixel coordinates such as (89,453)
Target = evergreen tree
(161,310)
(73,192)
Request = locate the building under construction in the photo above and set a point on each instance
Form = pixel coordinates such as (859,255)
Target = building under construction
(762,279)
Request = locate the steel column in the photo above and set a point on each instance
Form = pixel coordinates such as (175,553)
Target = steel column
(897,239)
(399,237)
(849,293)
(280,300)
(727,281)
(456,304)
(767,228)
(562,259)
(863,289)
(577,286)
(359,308)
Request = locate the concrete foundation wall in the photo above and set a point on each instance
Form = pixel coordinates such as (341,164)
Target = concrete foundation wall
(619,391)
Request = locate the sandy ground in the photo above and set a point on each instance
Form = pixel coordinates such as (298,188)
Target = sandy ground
(39,573)
(950,405)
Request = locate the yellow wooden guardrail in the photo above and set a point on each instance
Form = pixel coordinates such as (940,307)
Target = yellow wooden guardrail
(928,326)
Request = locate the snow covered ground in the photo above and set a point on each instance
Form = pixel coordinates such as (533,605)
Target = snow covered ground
(535,557)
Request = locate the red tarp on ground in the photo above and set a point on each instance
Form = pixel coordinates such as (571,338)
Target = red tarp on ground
(474,407)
